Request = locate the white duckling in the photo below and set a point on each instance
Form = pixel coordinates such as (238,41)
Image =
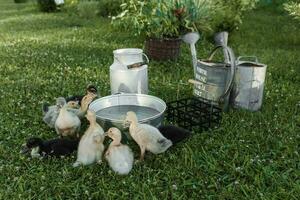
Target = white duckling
(51,112)
(118,155)
(67,122)
(91,146)
(146,136)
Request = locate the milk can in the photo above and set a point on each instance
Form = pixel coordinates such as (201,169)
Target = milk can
(129,72)
(249,82)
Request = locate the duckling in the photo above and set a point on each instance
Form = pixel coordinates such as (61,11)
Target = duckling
(85,102)
(89,90)
(146,136)
(174,133)
(91,146)
(55,147)
(118,155)
(51,112)
(67,122)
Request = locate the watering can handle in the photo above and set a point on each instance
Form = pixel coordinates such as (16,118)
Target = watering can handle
(232,68)
(213,52)
(241,57)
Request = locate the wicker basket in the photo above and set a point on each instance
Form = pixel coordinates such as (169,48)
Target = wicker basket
(163,49)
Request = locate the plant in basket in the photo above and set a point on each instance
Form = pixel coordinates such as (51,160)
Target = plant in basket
(162,22)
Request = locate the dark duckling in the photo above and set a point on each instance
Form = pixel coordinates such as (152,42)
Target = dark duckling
(78,98)
(55,147)
(174,133)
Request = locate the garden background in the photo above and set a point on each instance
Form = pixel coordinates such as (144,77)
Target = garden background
(253,155)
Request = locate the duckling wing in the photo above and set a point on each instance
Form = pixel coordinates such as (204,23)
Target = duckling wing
(157,143)
(87,150)
(77,112)
(68,120)
(51,116)
(120,159)
(61,147)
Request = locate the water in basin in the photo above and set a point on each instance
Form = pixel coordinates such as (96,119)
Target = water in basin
(119,112)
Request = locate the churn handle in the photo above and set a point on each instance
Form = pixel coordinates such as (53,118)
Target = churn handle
(241,57)
(147,59)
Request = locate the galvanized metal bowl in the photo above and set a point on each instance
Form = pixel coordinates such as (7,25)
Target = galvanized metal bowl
(111,110)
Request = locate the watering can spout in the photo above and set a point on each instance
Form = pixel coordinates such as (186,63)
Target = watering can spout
(221,38)
(191,39)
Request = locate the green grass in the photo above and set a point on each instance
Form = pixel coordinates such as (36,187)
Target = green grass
(252,155)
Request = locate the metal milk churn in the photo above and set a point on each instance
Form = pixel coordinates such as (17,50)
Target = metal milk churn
(129,72)
(214,80)
(248,86)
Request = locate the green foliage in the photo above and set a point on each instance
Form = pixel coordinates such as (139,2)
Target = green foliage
(46,5)
(228,13)
(253,155)
(109,7)
(20,1)
(275,5)
(70,4)
(87,9)
(293,7)
(164,19)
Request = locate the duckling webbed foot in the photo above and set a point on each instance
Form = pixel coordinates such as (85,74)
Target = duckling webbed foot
(99,162)
(77,164)
(142,153)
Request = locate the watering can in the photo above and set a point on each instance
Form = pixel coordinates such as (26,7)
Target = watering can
(249,82)
(213,80)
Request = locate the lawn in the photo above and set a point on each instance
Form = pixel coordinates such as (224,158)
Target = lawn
(251,156)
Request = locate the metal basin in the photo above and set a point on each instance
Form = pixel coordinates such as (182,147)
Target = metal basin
(111,110)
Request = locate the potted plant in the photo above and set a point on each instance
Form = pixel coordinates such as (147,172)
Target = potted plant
(162,22)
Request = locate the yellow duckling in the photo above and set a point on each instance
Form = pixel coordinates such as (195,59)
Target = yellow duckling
(91,146)
(67,122)
(118,155)
(146,136)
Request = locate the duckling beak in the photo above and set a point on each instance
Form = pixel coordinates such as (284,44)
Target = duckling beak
(126,124)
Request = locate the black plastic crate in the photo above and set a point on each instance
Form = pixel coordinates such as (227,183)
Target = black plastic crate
(193,113)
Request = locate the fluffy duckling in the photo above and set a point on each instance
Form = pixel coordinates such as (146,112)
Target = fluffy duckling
(174,133)
(67,122)
(91,146)
(51,112)
(85,102)
(76,104)
(118,155)
(89,90)
(146,136)
(55,147)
